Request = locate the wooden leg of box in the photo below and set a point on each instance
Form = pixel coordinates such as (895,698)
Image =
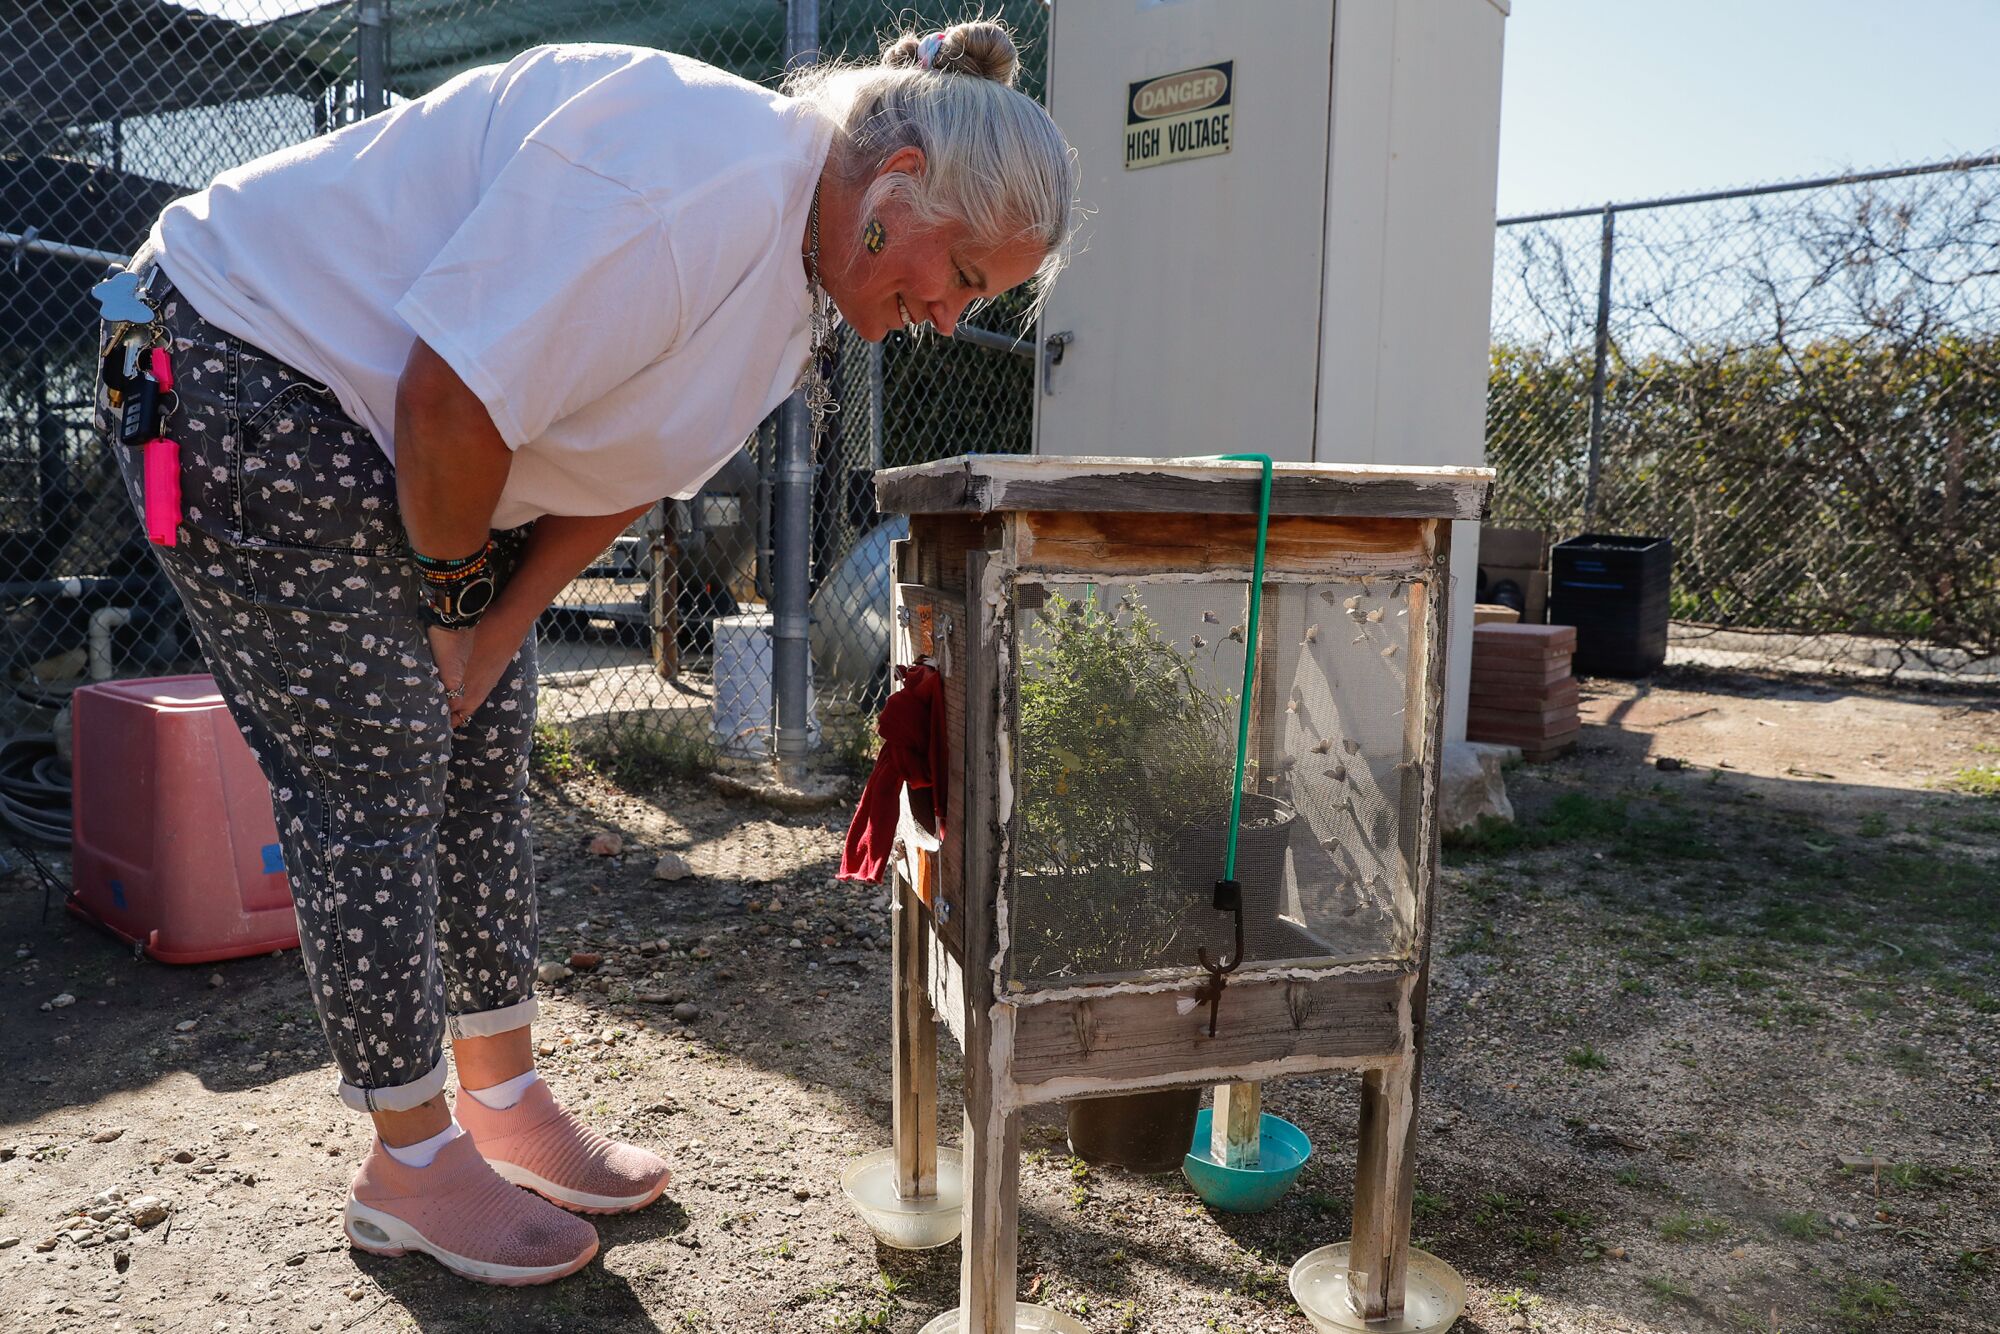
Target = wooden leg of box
(914,1031)
(1236,1127)
(992,1146)
(992,1215)
(1384,1182)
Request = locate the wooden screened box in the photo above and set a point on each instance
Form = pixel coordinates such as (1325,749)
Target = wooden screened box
(1091,620)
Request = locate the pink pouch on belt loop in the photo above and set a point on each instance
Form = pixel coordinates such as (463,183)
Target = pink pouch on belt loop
(163,491)
(163,468)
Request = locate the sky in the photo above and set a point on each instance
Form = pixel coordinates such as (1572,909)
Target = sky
(1614,100)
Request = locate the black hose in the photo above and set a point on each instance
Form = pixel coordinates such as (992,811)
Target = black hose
(52,695)
(34,789)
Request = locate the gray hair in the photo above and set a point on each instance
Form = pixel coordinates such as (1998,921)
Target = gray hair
(995,161)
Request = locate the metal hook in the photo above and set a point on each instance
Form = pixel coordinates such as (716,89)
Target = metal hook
(1229,896)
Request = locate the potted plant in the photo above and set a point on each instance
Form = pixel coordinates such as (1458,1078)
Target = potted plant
(1127,763)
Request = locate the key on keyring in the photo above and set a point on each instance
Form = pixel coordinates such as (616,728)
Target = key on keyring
(121,368)
(111,368)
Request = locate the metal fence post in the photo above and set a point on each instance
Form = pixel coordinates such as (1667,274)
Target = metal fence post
(1600,360)
(371,40)
(877,408)
(790,600)
(663,592)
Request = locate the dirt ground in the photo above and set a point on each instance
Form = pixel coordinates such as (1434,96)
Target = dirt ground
(1713,1048)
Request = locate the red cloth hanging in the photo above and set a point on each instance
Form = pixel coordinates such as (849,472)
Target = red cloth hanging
(916,751)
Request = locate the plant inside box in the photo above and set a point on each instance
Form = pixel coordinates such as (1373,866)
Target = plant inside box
(1122,737)
(1128,748)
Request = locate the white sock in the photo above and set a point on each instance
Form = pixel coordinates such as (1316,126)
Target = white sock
(502,1096)
(421,1153)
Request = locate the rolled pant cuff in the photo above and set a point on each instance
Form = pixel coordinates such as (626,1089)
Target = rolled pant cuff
(396,1097)
(491,1023)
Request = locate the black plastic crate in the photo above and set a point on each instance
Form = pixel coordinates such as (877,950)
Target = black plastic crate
(1615,590)
(1650,610)
(1605,563)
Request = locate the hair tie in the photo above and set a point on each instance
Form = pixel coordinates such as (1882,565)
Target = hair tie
(928,51)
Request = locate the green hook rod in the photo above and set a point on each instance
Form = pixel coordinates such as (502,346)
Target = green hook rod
(1228,894)
(1249,651)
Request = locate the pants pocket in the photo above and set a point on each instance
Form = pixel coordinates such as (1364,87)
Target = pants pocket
(309,478)
(323,581)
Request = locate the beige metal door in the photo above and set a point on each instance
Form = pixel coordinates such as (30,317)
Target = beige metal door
(1190,319)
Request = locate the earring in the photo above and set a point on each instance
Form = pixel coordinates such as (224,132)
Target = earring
(874,237)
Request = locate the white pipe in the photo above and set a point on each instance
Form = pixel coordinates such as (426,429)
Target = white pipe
(102,622)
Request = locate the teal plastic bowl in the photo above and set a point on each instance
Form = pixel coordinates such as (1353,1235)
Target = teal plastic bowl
(1282,1155)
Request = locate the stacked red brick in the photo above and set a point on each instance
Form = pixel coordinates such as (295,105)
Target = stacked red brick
(1522,691)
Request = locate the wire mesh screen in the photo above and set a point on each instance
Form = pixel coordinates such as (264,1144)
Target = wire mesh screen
(1127,709)
(1798,387)
(117,108)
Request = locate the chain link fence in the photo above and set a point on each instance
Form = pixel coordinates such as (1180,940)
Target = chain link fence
(1797,384)
(661,651)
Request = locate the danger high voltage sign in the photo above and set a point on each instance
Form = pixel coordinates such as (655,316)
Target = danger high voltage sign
(1179,115)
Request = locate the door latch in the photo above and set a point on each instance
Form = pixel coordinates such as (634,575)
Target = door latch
(1052,354)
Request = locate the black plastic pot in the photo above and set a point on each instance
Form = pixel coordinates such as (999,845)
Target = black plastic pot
(1198,854)
(1140,1132)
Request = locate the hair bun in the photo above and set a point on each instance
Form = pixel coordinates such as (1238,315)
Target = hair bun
(982,48)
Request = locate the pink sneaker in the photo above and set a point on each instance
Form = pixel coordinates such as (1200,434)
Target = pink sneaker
(459,1212)
(535,1143)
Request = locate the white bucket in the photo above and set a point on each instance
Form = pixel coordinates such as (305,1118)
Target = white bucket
(742,721)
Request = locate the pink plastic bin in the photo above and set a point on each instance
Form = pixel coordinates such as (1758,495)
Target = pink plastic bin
(175,848)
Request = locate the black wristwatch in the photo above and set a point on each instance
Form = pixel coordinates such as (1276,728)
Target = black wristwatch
(457,592)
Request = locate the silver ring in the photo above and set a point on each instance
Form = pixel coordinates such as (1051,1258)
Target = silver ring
(455,692)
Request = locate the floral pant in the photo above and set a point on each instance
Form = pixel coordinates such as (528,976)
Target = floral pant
(407,844)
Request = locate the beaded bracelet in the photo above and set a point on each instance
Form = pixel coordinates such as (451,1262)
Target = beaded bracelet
(449,563)
(457,590)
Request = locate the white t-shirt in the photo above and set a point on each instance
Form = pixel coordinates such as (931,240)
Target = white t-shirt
(602,241)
